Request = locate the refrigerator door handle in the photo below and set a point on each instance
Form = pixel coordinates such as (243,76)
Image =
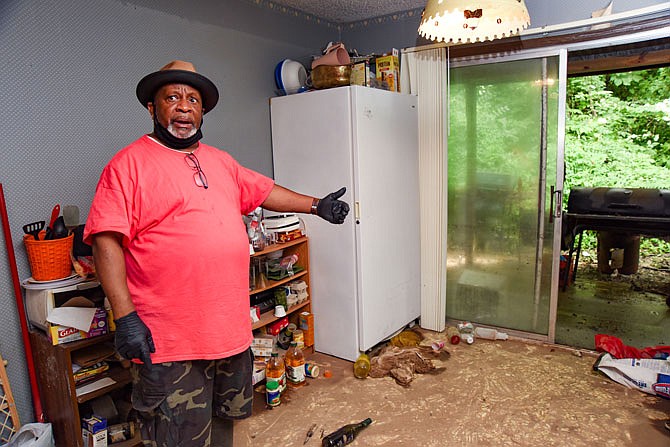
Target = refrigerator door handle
(357,211)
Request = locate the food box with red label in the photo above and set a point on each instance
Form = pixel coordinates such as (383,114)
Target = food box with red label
(276,327)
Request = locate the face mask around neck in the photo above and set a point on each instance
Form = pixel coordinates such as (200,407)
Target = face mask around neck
(173,142)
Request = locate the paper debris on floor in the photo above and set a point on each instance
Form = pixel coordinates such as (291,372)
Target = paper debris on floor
(402,363)
(651,376)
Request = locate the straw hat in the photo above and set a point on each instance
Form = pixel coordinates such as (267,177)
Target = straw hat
(178,72)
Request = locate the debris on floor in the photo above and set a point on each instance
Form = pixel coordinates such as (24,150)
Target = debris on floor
(491,393)
(651,376)
(407,337)
(402,363)
(615,346)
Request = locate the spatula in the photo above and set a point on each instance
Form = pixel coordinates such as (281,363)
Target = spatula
(34,229)
(71,217)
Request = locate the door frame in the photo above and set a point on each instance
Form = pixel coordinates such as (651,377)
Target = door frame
(557,182)
(476,54)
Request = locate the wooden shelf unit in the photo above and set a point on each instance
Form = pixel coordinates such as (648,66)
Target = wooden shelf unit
(300,247)
(58,389)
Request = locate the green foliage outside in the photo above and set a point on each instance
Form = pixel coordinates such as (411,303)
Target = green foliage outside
(618,135)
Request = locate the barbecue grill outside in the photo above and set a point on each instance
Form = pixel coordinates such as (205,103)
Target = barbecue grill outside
(620,201)
(620,215)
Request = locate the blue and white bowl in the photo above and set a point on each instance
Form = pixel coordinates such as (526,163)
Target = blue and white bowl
(290,76)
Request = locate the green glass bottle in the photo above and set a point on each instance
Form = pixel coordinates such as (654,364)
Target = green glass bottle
(345,435)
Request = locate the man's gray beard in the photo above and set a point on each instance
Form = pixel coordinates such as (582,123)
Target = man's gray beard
(170,129)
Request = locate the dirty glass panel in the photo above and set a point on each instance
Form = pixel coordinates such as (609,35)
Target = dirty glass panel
(496,192)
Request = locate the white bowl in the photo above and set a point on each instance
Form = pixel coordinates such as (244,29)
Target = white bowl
(293,76)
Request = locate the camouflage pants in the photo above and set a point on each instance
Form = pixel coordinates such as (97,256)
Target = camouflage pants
(176,400)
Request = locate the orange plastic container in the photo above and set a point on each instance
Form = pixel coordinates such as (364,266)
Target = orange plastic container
(49,260)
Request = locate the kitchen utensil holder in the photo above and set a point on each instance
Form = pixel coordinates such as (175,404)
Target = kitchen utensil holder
(49,260)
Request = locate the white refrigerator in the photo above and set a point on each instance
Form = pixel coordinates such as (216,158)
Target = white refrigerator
(365,273)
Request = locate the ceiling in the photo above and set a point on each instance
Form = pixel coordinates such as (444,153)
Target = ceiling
(347,11)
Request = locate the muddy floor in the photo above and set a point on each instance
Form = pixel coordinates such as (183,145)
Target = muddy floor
(490,393)
(632,307)
(498,393)
(652,277)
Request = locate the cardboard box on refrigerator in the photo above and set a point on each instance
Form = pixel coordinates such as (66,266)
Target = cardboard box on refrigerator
(388,70)
(360,73)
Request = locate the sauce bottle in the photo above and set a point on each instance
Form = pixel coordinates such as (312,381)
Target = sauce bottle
(275,371)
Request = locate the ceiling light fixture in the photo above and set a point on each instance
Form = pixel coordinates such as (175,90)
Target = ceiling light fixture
(468,21)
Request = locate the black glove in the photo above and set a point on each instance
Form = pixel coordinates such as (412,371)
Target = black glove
(331,209)
(133,338)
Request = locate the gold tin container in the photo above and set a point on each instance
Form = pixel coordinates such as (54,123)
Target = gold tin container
(328,76)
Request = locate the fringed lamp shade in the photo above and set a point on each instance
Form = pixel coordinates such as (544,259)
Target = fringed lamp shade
(468,21)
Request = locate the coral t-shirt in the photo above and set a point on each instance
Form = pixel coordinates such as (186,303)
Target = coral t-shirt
(185,247)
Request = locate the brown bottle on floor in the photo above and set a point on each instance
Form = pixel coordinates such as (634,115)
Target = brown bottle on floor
(295,366)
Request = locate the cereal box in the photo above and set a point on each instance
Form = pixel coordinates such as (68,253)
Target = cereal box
(388,70)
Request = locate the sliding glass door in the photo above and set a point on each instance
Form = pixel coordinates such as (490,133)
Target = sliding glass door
(505,171)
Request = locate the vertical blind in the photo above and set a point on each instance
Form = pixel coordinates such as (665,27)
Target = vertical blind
(424,73)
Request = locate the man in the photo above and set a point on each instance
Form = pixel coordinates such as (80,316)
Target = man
(171,252)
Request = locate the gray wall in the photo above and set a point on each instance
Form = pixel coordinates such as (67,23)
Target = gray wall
(69,70)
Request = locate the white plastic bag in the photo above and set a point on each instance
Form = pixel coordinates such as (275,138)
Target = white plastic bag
(651,376)
(33,435)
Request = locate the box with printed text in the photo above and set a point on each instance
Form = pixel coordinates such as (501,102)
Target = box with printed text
(388,70)
(64,334)
(94,431)
(306,320)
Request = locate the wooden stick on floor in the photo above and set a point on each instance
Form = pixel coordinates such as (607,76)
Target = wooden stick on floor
(9,417)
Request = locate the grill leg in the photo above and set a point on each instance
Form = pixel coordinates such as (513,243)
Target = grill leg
(579,250)
(566,274)
(630,244)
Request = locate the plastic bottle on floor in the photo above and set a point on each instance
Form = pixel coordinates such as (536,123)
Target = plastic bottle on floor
(490,333)
(295,366)
(466,331)
(275,371)
(362,366)
(453,335)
